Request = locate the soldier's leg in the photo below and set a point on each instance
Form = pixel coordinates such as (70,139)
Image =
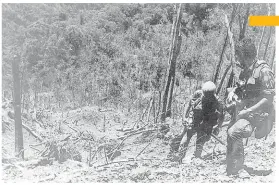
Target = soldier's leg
(185,143)
(191,130)
(203,135)
(175,142)
(235,150)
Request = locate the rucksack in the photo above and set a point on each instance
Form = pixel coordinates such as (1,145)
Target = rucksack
(202,109)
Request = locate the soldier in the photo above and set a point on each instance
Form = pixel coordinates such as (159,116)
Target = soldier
(257,111)
(205,115)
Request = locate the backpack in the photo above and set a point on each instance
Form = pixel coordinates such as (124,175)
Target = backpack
(195,111)
(201,109)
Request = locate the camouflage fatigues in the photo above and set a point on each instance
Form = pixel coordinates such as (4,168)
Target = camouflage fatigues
(204,113)
(259,84)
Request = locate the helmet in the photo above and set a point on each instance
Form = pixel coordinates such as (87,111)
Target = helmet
(208,87)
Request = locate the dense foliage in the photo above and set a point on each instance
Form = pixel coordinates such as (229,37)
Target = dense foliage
(91,53)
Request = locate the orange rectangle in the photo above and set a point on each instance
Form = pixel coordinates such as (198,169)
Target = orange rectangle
(263,20)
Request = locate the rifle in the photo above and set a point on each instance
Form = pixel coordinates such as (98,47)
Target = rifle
(215,137)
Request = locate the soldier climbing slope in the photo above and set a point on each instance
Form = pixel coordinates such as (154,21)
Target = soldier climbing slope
(256,111)
(204,116)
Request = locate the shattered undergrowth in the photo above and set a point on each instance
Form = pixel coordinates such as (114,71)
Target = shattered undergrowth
(140,157)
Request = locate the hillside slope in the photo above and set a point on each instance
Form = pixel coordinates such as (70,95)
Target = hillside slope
(143,156)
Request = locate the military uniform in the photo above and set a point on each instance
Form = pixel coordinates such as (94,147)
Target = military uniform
(203,115)
(258,84)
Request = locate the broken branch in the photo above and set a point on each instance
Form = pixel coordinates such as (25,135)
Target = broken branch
(32,133)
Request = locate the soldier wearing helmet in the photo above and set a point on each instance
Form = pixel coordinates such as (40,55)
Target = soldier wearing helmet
(204,117)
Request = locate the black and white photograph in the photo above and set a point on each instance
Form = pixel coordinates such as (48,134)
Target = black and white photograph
(137,93)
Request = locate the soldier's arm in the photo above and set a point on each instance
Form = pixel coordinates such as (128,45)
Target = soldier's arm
(195,97)
(258,105)
(188,109)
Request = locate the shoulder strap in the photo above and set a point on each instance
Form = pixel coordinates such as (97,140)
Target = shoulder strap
(258,68)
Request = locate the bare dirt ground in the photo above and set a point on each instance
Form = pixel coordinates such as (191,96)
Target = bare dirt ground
(141,157)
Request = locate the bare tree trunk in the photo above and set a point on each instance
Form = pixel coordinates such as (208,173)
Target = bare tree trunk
(172,61)
(262,35)
(218,67)
(17,108)
(35,102)
(154,108)
(233,61)
(168,113)
(267,43)
(150,108)
(244,25)
(159,105)
(224,46)
(22,97)
(259,46)
(223,79)
(230,81)
(23,103)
